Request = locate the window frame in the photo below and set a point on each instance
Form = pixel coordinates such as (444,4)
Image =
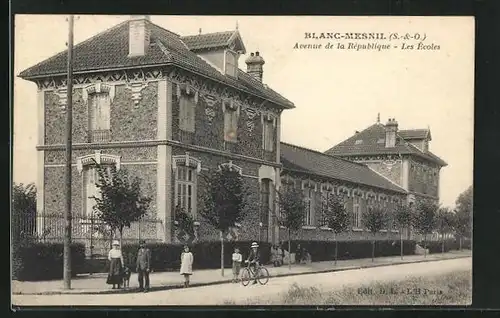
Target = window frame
(187,113)
(185,189)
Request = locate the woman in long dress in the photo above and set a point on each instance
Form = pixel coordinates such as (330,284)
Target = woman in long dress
(115,258)
(186,265)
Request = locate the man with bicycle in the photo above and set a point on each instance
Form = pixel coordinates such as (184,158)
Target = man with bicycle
(253,260)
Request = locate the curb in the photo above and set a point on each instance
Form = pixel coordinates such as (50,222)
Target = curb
(226,281)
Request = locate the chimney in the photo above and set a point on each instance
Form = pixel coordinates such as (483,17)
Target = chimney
(138,35)
(254,66)
(391,128)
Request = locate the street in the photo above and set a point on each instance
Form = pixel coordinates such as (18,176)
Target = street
(238,294)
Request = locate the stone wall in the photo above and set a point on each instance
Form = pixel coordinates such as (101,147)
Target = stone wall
(423,178)
(128,121)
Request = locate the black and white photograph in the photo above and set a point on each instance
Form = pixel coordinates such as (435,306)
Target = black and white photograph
(163,160)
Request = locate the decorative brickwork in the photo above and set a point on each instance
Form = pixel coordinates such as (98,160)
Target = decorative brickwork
(129,154)
(131,121)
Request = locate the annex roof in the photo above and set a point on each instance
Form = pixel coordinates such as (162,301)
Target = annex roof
(314,162)
(108,50)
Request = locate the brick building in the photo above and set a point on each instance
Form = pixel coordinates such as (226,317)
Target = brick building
(402,156)
(169,107)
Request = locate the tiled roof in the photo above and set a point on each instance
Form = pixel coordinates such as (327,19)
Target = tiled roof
(371,141)
(209,40)
(109,50)
(314,162)
(411,134)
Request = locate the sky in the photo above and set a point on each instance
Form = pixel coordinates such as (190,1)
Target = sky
(335,91)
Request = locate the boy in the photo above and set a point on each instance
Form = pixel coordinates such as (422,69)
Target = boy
(254,259)
(237,258)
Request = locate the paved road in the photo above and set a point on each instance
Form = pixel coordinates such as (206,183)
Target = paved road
(217,294)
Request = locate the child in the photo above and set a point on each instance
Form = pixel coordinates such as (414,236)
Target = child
(237,258)
(186,265)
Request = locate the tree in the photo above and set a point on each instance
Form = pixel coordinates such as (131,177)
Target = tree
(425,219)
(335,217)
(375,219)
(463,215)
(119,202)
(224,202)
(23,212)
(292,210)
(185,221)
(444,223)
(403,219)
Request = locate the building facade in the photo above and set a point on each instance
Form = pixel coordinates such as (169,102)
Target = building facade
(401,156)
(169,108)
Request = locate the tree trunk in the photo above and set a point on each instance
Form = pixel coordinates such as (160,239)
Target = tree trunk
(373,250)
(460,243)
(442,244)
(221,253)
(289,251)
(336,248)
(121,237)
(425,250)
(401,242)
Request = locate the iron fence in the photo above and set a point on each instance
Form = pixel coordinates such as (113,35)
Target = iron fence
(91,231)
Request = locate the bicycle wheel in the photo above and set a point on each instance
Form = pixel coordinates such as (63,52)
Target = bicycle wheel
(263,276)
(245,276)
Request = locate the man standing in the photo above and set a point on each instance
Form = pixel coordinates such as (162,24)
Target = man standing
(143,266)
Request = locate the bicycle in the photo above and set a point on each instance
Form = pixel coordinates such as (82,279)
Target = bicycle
(261,273)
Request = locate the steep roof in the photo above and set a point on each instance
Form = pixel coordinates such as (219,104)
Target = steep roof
(213,40)
(371,141)
(109,50)
(314,162)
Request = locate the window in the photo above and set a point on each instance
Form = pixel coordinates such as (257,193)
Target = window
(231,66)
(268,134)
(185,189)
(309,197)
(99,117)
(265,195)
(90,189)
(356,213)
(187,113)
(230,123)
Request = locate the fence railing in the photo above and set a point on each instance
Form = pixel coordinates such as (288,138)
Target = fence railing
(91,231)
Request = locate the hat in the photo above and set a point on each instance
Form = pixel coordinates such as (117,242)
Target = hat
(254,244)
(116,243)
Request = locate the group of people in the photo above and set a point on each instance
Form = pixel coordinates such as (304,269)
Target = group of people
(117,267)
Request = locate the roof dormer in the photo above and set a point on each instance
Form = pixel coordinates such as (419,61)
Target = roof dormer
(221,50)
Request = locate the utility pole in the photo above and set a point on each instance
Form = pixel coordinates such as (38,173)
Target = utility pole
(69,145)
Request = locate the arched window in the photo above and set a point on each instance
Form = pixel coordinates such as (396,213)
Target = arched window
(88,167)
(356,212)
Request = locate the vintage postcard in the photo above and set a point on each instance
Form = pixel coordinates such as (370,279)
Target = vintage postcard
(242,160)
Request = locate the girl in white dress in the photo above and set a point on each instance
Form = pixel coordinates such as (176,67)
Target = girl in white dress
(186,265)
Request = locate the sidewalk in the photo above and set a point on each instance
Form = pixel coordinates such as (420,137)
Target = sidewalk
(96,284)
